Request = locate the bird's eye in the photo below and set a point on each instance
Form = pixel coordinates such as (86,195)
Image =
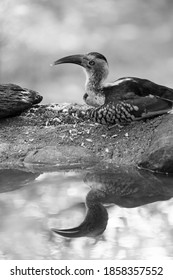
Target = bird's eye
(91,62)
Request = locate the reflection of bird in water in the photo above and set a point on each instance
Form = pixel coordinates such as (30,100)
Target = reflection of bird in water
(122,101)
(126,187)
(15,99)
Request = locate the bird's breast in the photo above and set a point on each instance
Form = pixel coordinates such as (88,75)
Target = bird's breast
(94,99)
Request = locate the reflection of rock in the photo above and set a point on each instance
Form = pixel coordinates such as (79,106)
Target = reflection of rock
(126,187)
(159,156)
(15,100)
(11,179)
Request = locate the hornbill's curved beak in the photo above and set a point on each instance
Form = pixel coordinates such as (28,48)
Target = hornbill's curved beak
(94,224)
(75,59)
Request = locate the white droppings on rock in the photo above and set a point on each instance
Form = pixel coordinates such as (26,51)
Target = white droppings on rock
(88,140)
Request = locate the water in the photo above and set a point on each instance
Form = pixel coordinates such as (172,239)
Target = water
(140,224)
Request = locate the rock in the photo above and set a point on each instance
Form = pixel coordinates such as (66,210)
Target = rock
(75,142)
(66,156)
(15,99)
(159,156)
(3,148)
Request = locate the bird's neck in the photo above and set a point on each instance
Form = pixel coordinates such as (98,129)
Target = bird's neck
(94,81)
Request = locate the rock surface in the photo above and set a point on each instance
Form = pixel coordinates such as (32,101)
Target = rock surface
(15,100)
(45,135)
(159,156)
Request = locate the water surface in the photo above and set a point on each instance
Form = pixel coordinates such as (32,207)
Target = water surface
(140,224)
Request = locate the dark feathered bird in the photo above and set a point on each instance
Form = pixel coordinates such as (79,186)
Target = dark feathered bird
(124,100)
(15,99)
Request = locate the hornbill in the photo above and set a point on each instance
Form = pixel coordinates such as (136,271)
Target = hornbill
(125,100)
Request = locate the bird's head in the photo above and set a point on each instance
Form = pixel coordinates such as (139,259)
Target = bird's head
(95,64)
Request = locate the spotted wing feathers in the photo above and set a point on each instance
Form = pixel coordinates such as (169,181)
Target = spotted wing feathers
(111,114)
(124,113)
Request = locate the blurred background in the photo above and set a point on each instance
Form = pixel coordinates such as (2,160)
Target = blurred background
(135,35)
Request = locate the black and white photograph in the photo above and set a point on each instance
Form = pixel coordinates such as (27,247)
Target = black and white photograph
(86,132)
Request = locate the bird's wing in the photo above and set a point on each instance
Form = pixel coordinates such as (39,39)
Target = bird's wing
(125,112)
(146,98)
(132,88)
